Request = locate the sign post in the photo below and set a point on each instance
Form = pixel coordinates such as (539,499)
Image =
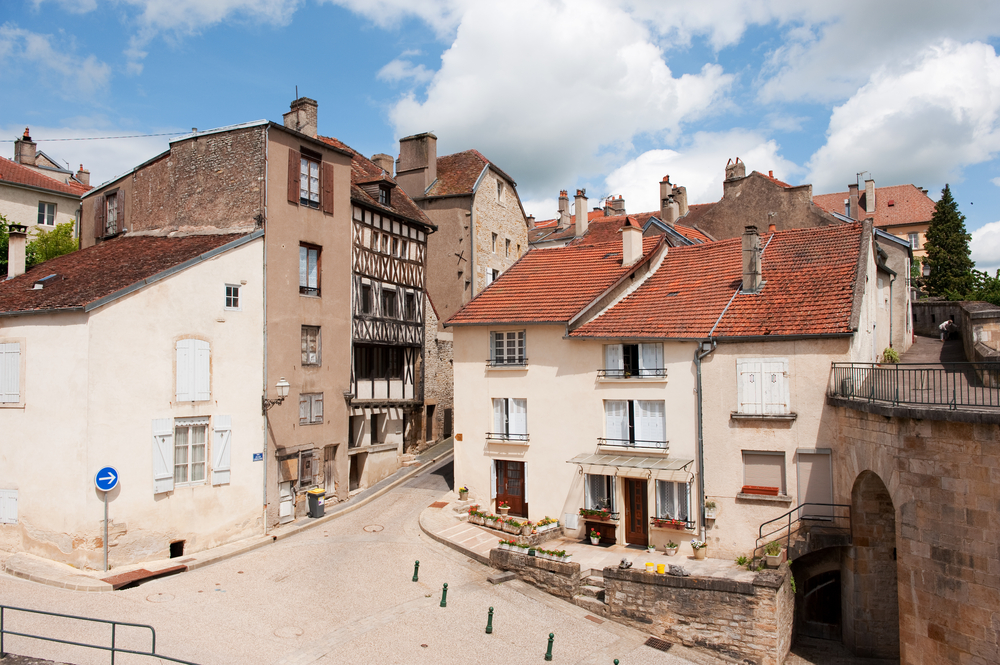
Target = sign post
(106,480)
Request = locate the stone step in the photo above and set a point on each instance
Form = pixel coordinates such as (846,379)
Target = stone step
(594,580)
(592,592)
(592,605)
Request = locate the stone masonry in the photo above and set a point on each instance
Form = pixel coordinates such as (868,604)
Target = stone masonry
(437,374)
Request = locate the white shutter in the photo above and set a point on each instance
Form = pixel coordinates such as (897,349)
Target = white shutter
(185,370)
(616,426)
(10,372)
(493,479)
(653,421)
(613,358)
(304,409)
(651,359)
(163,455)
(749,375)
(317,408)
(221,449)
(637,421)
(202,370)
(499,417)
(774,385)
(8,506)
(519,417)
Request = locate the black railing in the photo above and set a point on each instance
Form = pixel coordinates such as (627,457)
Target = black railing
(114,648)
(633,443)
(647,373)
(831,515)
(505,436)
(954,385)
(507,362)
(670,523)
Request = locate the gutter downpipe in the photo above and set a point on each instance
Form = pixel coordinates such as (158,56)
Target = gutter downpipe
(267,136)
(698,355)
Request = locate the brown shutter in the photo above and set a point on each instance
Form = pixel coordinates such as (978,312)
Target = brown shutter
(121,211)
(326,177)
(294,166)
(99,206)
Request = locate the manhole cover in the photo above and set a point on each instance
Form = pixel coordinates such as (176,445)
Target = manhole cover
(374,528)
(288,631)
(159,597)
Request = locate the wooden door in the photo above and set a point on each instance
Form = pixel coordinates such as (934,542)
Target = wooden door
(636,530)
(510,486)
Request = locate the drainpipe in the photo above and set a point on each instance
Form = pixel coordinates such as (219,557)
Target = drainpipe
(704,348)
(891,280)
(267,424)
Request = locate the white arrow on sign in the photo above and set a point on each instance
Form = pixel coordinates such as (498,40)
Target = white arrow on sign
(110,476)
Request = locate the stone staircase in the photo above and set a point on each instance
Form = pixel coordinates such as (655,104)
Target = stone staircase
(591,595)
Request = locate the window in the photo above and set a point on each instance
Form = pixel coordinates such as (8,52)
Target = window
(599,492)
(385,243)
(311,346)
(492,276)
(366,298)
(499,190)
(232,296)
(628,361)
(507,348)
(376,236)
(111,213)
(309,182)
(383,195)
(494,243)
(510,419)
(309,270)
(673,501)
(507,242)
(388,304)
(378,362)
(10,372)
(376,429)
(47,213)
(395,246)
(310,408)
(762,386)
(193,370)
(8,506)
(635,423)
(914,239)
(763,473)
(410,307)
(404,249)
(190,437)
(307,469)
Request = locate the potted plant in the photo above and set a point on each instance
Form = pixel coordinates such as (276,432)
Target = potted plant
(774,554)
(603,514)
(503,507)
(710,510)
(651,549)
(504,545)
(463,493)
(526,528)
(671,548)
(595,537)
(669,523)
(700,548)
(890,356)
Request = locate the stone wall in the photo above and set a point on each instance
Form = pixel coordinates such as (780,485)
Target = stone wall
(559,579)
(978,324)
(500,215)
(438,376)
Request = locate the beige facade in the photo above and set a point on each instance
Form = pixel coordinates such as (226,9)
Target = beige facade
(20,205)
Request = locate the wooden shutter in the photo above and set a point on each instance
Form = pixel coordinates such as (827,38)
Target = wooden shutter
(613,358)
(202,370)
(616,421)
(304,409)
(317,408)
(185,370)
(651,359)
(163,455)
(120,203)
(519,417)
(10,372)
(774,372)
(493,479)
(221,450)
(326,178)
(100,203)
(8,506)
(652,416)
(294,167)
(749,379)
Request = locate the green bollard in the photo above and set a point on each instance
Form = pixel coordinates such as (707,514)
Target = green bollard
(416,569)
(548,654)
(489,623)
(616,661)
(444,595)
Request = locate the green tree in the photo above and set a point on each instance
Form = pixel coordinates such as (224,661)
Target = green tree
(948,249)
(50,244)
(4,239)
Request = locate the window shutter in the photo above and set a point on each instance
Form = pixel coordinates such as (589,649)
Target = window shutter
(616,422)
(163,455)
(221,448)
(653,417)
(185,370)
(613,357)
(493,479)
(317,410)
(99,206)
(120,202)
(326,177)
(499,419)
(10,372)
(303,409)
(202,370)
(775,386)
(764,470)
(750,394)
(519,417)
(525,493)
(494,347)
(294,166)
(651,359)
(684,501)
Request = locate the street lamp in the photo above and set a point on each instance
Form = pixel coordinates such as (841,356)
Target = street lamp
(282,387)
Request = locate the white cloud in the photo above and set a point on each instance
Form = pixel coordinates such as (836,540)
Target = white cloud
(542,88)
(71,73)
(443,16)
(401,70)
(919,122)
(699,166)
(996,181)
(985,247)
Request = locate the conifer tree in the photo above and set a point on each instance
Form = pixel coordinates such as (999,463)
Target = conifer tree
(948,250)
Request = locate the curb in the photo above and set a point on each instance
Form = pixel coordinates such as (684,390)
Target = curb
(448,543)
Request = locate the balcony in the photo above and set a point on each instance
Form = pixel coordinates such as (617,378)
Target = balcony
(507,363)
(662,447)
(505,437)
(645,374)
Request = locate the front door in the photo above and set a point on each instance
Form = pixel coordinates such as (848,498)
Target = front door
(636,531)
(510,486)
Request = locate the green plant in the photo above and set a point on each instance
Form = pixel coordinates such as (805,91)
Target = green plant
(698,544)
(773,548)
(671,544)
(947,245)
(742,560)
(463,488)
(890,355)
(595,534)
(791,579)
(710,505)
(503,504)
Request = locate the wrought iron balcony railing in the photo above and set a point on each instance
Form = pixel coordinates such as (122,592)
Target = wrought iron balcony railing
(646,373)
(507,362)
(952,385)
(633,443)
(504,436)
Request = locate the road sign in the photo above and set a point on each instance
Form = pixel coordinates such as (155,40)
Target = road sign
(106,479)
(258,457)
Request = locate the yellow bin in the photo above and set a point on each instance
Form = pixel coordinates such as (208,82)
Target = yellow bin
(661,569)
(649,567)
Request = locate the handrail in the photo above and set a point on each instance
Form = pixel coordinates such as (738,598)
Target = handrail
(114,648)
(951,385)
(763,539)
(634,443)
(644,373)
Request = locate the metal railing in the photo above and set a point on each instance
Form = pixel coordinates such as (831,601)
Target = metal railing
(517,362)
(633,443)
(804,515)
(506,436)
(954,385)
(114,648)
(646,373)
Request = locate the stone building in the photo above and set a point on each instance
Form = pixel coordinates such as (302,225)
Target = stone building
(437,379)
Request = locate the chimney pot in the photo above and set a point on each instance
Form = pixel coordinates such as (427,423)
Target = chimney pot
(83,175)
(580,204)
(771,228)
(24,149)
(770,174)
(16,247)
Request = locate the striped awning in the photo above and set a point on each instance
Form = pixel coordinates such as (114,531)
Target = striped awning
(636,466)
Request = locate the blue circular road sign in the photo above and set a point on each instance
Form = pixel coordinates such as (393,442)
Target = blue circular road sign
(106,479)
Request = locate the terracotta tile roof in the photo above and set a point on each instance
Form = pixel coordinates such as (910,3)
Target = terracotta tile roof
(549,285)
(770,176)
(363,170)
(458,173)
(909,205)
(22,175)
(809,273)
(90,274)
(602,229)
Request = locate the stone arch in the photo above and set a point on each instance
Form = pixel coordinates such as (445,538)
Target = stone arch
(869,589)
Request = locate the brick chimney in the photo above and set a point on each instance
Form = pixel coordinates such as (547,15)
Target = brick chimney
(752,278)
(16,246)
(669,210)
(303,116)
(580,203)
(852,200)
(614,206)
(735,171)
(416,168)
(24,149)
(631,241)
(564,216)
(384,162)
(83,175)
(869,195)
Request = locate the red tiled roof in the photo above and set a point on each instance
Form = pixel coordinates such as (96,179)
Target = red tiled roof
(550,285)
(774,180)
(363,170)
(910,205)
(457,174)
(810,275)
(92,273)
(602,229)
(22,175)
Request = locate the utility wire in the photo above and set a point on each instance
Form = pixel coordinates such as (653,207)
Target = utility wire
(100,138)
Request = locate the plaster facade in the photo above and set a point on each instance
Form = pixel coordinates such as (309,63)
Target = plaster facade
(20,206)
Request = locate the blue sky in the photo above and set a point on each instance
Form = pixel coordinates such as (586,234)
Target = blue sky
(605,95)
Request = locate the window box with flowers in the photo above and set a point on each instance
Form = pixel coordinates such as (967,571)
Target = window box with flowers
(603,514)
(667,523)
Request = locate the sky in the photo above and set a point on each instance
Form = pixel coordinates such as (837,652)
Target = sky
(604,95)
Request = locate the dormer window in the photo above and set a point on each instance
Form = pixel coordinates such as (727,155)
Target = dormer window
(383,195)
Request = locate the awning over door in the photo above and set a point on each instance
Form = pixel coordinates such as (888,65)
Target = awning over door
(634,466)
